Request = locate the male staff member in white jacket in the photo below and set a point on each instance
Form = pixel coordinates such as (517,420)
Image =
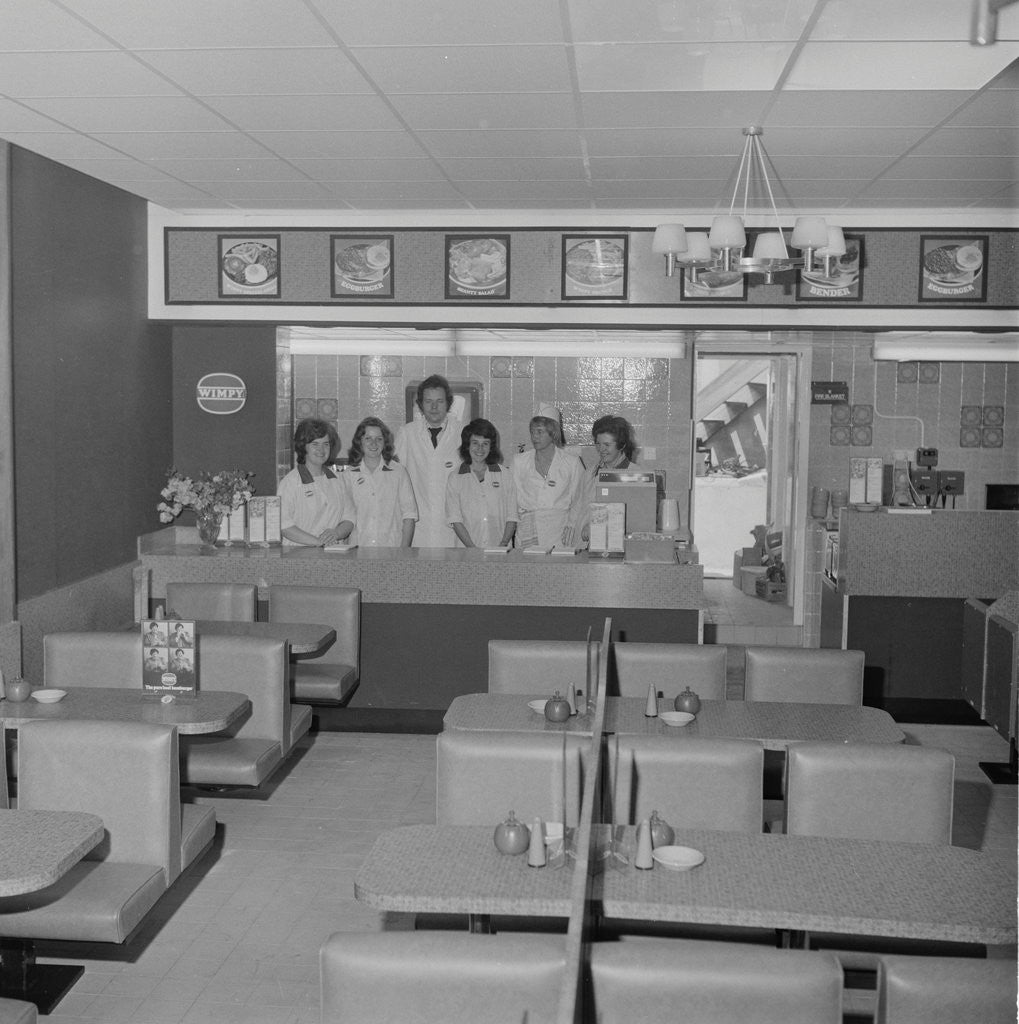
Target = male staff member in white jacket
(428,448)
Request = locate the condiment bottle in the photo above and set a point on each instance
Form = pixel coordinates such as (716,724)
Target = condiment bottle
(651,708)
(643,858)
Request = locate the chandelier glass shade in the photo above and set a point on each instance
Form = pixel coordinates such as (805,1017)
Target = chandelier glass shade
(724,246)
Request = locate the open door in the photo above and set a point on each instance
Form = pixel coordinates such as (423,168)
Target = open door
(751,419)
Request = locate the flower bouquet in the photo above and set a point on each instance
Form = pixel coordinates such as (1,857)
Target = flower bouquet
(210,497)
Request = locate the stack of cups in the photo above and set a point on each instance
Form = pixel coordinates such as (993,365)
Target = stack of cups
(819,503)
(839,500)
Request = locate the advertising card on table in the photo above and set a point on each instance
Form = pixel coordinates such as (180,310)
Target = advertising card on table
(169,665)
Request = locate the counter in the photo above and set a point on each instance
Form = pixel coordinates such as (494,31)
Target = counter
(903,581)
(428,613)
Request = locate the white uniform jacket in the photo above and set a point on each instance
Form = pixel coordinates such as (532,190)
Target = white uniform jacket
(311,503)
(428,468)
(381,501)
(556,499)
(483,506)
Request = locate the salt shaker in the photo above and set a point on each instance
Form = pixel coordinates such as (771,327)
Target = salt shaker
(651,708)
(536,851)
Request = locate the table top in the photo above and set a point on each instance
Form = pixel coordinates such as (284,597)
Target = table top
(775,724)
(304,637)
(455,870)
(38,847)
(209,711)
(759,881)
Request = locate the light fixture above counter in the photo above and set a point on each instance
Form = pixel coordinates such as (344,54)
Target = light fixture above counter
(722,249)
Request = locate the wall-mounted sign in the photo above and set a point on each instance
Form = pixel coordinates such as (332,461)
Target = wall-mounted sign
(221,393)
(477,266)
(952,268)
(249,266)
(828,392)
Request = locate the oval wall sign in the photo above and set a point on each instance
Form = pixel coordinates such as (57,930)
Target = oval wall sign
(221,393)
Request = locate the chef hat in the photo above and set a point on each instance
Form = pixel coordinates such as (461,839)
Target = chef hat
(548,411)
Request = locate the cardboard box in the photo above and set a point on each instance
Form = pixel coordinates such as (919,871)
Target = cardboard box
(875,472)
(858,481)
(749,575)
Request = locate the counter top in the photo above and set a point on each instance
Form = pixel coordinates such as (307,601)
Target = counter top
(430,575)
(941,553)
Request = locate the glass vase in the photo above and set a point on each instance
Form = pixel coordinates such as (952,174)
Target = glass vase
(209,524)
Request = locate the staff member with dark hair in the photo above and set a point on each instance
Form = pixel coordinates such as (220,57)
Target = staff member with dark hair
(481,503)
(314,506)
(428,449)
(379,489)
(613,439)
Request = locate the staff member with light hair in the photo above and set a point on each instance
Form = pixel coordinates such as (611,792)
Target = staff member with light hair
(428,448)
(549,485)
(379,489)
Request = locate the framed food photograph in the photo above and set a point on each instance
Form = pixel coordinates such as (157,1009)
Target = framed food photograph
(362,266)
(249,266)
(845,283)
(713,286)
(953,268)
(477,266)
(594,267)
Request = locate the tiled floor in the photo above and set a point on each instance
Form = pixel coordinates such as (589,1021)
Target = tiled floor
(238,941)
(733,617)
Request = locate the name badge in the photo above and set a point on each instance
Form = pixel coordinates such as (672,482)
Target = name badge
(551,483)
(309,492)
(449,465)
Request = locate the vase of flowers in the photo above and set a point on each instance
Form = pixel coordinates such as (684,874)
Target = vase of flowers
(211,496)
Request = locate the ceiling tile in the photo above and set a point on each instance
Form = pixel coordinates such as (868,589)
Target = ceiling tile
(296,113)
(933,192)
(239,191)
(680,67)
(998,108)
(410,204)
(466,68)
(670,109)
(358,191)
(902,20)
(962,141)
(151,145)
(948,168)
(462,22)
(15,117)
(39,25)
(361,169)
(899,65)
(259,72)
(520,167)
(726,142)
(130,113)
(327,144)
(602,21)
(527,189)
(872,107)
(200,24)
(785,144)
(495,144)
(487,111)
(91,73)
(201,170)
(123,169)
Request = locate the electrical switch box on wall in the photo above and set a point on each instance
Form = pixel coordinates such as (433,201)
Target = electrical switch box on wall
(927,457)
(951,481)
(925,481)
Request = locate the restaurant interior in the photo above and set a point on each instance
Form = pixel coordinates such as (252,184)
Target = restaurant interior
(768,777)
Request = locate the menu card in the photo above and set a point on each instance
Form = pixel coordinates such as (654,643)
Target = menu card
(169,657)
(264,521)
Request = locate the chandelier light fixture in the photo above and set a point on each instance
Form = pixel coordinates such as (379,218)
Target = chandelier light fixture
(723,247)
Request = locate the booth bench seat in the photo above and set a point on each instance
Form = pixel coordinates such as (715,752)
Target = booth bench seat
(15,1011)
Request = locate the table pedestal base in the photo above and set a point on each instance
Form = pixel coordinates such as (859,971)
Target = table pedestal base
(22,978)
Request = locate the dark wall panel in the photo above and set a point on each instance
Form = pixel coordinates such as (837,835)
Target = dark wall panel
(244,440)
(92,377)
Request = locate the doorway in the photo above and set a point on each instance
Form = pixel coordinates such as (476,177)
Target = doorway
(750,425)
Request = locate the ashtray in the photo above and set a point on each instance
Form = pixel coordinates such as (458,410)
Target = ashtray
(676,718)
(866,506)
(538,706)
(678,858)
(49,696)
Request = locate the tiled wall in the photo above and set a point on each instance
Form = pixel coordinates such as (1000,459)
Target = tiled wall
(968,411)
(652,394)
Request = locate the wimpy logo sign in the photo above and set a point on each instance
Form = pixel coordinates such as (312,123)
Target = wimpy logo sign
(221,393)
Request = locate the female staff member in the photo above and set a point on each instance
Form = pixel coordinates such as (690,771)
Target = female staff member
(380,491)
(313,509)
(481,503)
(613,440)
(549,485)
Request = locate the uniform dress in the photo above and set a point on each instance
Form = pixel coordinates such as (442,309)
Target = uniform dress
(381,500)
(428,468)
(556,499)
(311,503)
(483,506)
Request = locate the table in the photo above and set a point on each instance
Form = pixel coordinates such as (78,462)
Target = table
(775,724)
(36,849)
(305,638)
(209,711)
(851,887)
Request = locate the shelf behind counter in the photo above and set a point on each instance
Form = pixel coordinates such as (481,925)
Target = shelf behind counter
(428,613)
